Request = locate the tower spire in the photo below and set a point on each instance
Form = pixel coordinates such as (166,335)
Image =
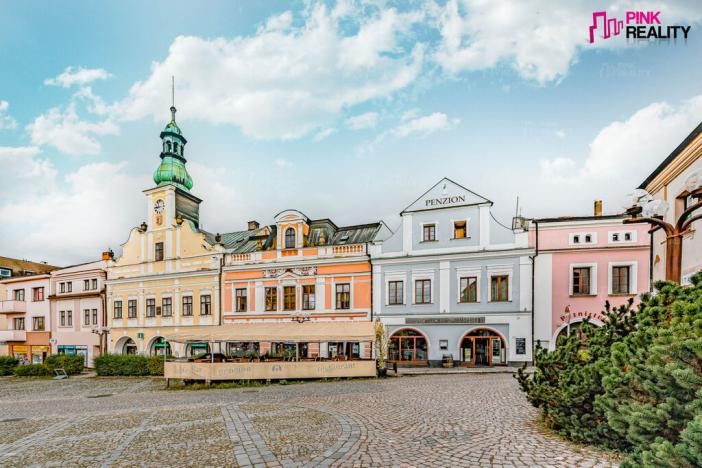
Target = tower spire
(173,109)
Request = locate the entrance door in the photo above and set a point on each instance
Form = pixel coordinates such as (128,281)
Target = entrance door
(482,347)
(482,351)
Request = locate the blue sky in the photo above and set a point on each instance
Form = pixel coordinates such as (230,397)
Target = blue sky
(347,110)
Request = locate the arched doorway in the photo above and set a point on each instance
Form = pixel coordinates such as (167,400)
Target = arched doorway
(574,327)
(159,346)
(126,345)
(483,347)
(196,349)
(408,346)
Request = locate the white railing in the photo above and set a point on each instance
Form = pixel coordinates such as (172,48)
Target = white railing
(13,307)
(13,335)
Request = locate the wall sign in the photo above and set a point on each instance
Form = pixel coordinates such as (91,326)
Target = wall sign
(443,320)
(449,200)
(521,346)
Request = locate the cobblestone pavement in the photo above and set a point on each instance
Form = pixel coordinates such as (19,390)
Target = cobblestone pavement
(438,420)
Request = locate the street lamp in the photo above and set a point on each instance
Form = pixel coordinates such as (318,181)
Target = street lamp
(644,209)
(102,333)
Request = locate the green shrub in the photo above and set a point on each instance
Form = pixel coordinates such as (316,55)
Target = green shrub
(155,365)
(31,370)
(72,364)
(121,364)
(8,364)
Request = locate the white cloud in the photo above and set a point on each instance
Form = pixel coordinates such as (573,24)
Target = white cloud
(362,121)
(81,76)
(283,163)
(22,164)
(561,134)
(540,39)
(324,134)
(425,125)
(289,79)
(6,120)
(65,131)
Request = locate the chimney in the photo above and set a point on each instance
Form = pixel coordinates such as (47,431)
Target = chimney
(598,207)
(108,255)
(253,225)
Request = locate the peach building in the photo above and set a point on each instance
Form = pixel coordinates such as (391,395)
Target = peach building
(580,263)
(299,269)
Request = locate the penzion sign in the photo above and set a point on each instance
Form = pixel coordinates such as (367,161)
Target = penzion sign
(449,200)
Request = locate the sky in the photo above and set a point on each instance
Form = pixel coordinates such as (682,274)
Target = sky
(346,110)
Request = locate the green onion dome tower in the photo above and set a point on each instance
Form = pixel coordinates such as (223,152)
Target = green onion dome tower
(172,169)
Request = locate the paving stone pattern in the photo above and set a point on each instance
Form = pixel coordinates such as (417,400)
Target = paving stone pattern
(469,420)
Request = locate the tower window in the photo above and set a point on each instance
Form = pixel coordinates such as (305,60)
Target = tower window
(290,238)
(168,145)
(175,147)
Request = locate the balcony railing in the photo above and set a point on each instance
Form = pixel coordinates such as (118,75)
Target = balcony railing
(13,335)
(327,251)
(13,307)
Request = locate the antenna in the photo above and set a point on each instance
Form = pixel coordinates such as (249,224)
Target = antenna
(172,91)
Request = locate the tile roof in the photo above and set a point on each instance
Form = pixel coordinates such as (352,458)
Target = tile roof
(25,267)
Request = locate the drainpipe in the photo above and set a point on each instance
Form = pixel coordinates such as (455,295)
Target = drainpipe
(650,261)
(221,287)
(533,301)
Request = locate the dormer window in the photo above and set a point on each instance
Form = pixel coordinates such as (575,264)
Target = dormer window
(290,238)
(343,239)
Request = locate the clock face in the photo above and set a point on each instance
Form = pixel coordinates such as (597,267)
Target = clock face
(158,206)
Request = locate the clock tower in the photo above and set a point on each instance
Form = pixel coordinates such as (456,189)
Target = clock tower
(171,201)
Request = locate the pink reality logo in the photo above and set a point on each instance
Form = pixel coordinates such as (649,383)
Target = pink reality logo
(636,24)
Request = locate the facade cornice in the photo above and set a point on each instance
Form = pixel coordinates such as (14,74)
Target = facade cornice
(159,277)
(459,255)
(293,264)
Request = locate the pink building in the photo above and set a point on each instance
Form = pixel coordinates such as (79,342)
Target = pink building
(77,310)
(580,263)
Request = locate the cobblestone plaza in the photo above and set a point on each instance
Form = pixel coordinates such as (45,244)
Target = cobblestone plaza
(452,420)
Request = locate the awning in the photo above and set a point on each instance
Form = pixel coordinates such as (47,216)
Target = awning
(288,332)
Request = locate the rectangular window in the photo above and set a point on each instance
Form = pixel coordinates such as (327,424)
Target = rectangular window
(86,285)
(205,304)
(396,292)
(620,280)
(459,230)
(86,317)
(38,323)
(308,297)
(500,288)
(117,310)
(429,232)
(187,306)
(158,251)
(469,289)
(94,283)
(166,306)
(69,318)
(240,294)
(18,323)
(18,294)
(62,319)
(422,291)
(151,307)
(289,298)
(62,287)
(343,296)
(581,281)
(38,294)
(132,308)
(95,317)
(271,298)
(69,286)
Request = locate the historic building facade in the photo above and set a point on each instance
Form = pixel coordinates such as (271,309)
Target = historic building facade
(299,269)
(78,318)
(452,282)
(668,183)
(580,263)
(167,277)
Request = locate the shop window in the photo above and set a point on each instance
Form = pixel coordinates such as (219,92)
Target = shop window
(290,238)
(343,296)
(132,308)
(289,298)
(469,289)
(205,304)
(308,297)
(158,251)
(117,313)
(271,298)
(38,294)
(459,230)
(499,288)
(240,294)
(167,306)
(620,280)
(151,307)
(396,292)
(18,294)
(581,281)
(407,345)
(187,306)
(38,323)
(429,232)
(422,291)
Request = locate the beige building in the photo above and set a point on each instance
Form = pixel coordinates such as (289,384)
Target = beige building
(668,182)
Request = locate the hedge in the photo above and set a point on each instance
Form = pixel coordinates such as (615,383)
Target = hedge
(31,370)
(72,364)
(128,365)
(8,364)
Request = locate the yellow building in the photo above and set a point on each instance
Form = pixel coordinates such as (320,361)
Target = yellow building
(168,275)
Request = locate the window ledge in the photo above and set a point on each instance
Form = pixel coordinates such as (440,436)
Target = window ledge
(395,305)
(428,241)
(460,238)
(583,295)
(622,294)
(469,302)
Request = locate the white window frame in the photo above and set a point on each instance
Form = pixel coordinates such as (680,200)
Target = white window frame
(467,272)
(633,272)
(453,228)
(423,275)
(581,235)
(610,237)
(500,270)
(389,277)
(593,277)
(436,231)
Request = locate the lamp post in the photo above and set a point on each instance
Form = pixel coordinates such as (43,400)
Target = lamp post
(645,209)
(102,333)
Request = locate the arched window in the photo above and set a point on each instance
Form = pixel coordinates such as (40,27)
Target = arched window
(407,345)
(483,347)
(175,147)
(290,238)
(168,145)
